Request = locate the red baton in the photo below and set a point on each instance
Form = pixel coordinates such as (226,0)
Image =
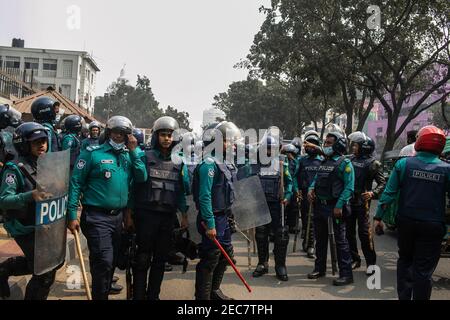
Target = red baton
(218,245)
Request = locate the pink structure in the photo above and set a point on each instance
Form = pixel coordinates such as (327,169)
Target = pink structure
(377,123)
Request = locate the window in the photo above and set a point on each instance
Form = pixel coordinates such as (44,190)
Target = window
(67,68)
(92,78)
(31,63)
(12,63)
(50,67)
(50,64)
(1,62)
(380,130)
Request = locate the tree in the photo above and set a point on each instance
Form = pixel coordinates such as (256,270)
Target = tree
(182,117)
(136,103)
(253,104)
(407,58)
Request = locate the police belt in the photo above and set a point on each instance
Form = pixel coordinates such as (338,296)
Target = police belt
(109,212)
(331,202)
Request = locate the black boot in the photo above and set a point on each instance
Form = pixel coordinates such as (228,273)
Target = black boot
(262,245)
(261,269)
(38,287)
(204,274)
(219,271)
(280,252)
(16,266)
(155,279)
(140,272)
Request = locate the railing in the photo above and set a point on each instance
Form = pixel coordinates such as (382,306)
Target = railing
(26,76)
(9,85)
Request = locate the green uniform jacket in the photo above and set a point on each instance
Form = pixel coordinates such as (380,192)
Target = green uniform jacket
(70,141)
(346,173)
(393,186)
(12,198)
(104,178)
(51,132)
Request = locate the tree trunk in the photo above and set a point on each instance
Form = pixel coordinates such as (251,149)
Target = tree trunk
(364,115)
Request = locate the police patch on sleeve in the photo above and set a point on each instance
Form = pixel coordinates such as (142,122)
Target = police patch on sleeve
(348,169)
(10,179)
(211,173)
(81,164)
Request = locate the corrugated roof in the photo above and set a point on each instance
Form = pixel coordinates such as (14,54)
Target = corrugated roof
(24,105)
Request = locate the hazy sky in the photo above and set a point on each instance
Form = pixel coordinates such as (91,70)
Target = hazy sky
(186,47)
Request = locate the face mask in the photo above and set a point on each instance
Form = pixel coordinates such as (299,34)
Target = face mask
(328,151)
(117,146)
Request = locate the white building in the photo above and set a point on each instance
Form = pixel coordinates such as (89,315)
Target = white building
(72,73)
(212,115)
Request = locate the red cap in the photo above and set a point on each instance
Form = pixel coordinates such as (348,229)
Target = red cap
(430,139)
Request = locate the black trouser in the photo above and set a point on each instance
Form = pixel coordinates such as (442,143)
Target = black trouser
(419,245)
(213,264)
(38,287)
(360,214)
(321,214)
(292,215)
(153,238)
(281,237)
(103,234)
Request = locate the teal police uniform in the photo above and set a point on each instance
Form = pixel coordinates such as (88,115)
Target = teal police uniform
(103,177)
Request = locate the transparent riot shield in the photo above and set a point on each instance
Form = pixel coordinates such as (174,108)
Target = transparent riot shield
(250,209)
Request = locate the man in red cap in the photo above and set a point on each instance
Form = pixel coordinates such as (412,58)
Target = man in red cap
(423,182)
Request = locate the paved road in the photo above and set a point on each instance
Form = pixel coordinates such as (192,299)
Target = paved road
(178,286)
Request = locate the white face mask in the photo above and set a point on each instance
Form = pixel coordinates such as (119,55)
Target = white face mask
(117,146)
(328,151)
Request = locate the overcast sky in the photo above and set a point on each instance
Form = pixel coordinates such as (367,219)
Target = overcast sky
(186,47)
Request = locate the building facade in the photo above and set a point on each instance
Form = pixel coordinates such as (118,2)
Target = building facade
(71,73)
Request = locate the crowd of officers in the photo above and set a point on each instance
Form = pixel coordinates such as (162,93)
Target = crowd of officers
(121,184)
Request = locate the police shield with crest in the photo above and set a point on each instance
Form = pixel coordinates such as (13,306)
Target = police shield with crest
(50,233)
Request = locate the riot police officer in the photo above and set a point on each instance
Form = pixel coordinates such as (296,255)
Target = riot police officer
(331,191)
(103,176)
(307,170)
(10,119)
(270,175)
(367,169)
(18,197)
(71,140)
(214,195)
(44,111)
(156,203)
(423,182)
(94,133)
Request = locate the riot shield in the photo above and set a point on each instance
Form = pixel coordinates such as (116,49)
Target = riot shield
(51,233)
(192,219)
(250,209)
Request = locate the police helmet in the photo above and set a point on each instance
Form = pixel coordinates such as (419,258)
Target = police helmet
(119,123)
(73,124)
(9,117)
(43,109)
(340,144)
(26,133)
(139,135)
